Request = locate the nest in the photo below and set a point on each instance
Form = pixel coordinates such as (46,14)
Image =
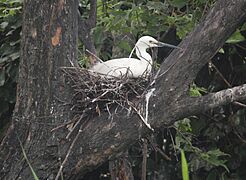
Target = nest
(94,94)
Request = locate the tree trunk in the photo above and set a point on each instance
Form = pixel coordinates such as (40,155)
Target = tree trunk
(49,41)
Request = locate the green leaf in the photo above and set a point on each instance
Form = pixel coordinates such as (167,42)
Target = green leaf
(183,125)
(178,3)
(236,37)
(184,165)
(243,28)
(29,164)
(196,91)
(213,157)
(221,51)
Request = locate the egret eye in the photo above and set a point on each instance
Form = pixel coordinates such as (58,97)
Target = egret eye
(152,42)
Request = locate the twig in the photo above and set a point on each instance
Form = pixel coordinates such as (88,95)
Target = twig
(159,150)
(62,125)
(240,104)
(240,138)
(76,124)
(94,55)
(173,143)
(142,118)
(69,152)
(221,75)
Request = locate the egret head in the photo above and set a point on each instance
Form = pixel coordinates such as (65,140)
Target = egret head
(148,42)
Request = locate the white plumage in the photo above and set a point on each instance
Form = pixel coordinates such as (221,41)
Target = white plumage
(131,67)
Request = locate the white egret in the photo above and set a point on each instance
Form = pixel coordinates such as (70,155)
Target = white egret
(131,67)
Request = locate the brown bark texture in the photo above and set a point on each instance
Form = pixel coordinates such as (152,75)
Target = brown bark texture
(49,42)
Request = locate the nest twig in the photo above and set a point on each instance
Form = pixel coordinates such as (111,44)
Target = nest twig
(94,93)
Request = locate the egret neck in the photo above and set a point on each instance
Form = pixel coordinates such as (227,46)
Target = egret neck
(143,55)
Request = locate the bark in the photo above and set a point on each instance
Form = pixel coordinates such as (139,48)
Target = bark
(49,41)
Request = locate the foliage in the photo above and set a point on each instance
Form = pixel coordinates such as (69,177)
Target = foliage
(196,91)
(199,158)
(10,27)
(135,18)
(236,38)
(184,164)
(214,142)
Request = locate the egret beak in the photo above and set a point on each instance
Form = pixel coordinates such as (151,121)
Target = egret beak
(161,44)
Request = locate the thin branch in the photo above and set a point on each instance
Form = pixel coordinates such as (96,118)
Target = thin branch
(94,55)
(221,75)
(194,105)
(69,151)
(156,148)
(240,104)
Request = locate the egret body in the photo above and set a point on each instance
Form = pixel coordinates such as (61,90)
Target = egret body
(131,67)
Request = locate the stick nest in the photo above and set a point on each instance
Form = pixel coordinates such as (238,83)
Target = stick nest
(93,94)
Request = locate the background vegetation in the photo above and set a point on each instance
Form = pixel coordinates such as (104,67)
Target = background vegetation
(214,142)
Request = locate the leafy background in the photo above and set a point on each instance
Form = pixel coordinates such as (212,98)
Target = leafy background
(10,28)
(213,142)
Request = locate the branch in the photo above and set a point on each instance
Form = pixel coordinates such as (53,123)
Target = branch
(198,48)
(104,137)
(195,105)
(213,100)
